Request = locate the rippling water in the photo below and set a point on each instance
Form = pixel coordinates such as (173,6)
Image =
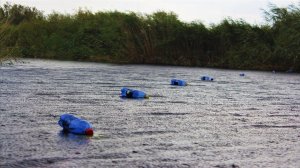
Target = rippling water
(251,121)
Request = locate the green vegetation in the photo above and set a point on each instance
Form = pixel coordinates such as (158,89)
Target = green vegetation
(158,38)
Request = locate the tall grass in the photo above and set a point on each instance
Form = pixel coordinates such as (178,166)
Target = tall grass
(158,38)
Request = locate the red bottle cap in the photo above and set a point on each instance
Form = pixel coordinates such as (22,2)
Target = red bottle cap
(89,131)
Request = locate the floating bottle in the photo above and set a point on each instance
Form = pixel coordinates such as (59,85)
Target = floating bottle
(75,125)
(135,94)
(207,78)
(242,74)
(178,82)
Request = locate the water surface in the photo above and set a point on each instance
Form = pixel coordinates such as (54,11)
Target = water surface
(250,121)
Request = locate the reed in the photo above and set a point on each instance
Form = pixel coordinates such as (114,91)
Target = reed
(157,38)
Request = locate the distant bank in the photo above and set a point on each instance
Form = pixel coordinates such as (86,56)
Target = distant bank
(160,39)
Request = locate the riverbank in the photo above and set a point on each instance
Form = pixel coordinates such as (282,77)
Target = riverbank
(156,39)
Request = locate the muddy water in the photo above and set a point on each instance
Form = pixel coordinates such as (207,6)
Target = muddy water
(251,121)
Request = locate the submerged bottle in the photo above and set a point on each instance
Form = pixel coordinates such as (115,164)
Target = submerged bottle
(207,78)
(130,93)
(178,82)
(75,125)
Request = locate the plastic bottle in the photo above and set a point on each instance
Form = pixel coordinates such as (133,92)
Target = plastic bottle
(207,78)
(178,82)
(242,74)
(75,125)
(130,93)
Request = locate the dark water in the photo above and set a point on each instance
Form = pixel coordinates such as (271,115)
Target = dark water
(251,121)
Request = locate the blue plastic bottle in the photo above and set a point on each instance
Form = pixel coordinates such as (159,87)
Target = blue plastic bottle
(130,93)
(207,78)
(75,125)
(178,82)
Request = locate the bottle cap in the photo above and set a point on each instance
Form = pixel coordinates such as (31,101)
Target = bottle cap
(89,131)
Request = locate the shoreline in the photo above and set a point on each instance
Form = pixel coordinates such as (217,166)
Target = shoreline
(15,60)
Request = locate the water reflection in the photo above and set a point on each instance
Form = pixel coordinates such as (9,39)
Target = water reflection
(69,139)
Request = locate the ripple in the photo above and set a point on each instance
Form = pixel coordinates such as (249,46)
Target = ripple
(157,96)
(165,114)
(252,109)
(85,101)
(223,82)
(42,162)
(267,98)
(178,102)
(276,126)
(105,156)
(121,86)
(283,115)
(46,94)
(152,132)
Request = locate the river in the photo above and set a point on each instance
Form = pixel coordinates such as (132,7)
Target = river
(234,121)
